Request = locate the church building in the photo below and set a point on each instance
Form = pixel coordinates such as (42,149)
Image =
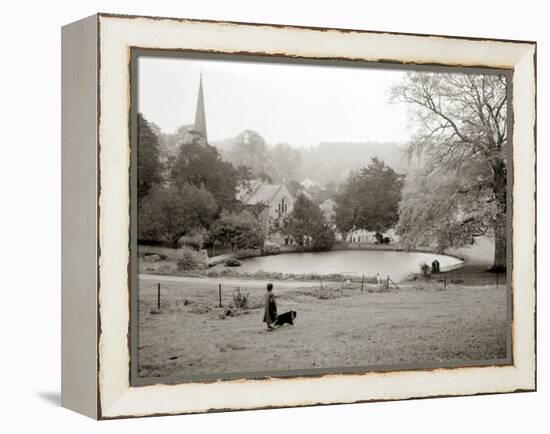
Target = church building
(199,127)
(278,202)
(276,198)
(197,132)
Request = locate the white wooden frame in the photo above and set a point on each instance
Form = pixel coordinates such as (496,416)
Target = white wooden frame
(96,161)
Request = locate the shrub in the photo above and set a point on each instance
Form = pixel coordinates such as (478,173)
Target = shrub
(271,248)
(188,259)
(152,258)
(194,240)
(232,263)
(166,268)
(240,300)
(240,231)
(326,294)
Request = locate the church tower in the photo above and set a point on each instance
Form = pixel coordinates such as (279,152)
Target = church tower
(199,128)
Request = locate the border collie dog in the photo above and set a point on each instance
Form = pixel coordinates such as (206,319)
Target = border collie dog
(285,318)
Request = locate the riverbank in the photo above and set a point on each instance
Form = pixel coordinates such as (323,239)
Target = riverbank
(162,269)
(322,265)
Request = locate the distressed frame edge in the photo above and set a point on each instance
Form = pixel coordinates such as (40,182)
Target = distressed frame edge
(314,28)
(79,141)
(109,414)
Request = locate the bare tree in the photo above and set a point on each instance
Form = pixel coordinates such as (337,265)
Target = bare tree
(461,134)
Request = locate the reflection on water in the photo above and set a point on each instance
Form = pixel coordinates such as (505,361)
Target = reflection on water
(397,265)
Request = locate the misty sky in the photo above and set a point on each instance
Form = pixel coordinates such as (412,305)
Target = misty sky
(301,105)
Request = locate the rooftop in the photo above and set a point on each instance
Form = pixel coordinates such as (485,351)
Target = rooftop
(262,193)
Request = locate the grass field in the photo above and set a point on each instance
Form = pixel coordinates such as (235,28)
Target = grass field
(337,326)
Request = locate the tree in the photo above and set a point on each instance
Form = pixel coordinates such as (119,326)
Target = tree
(149,168)
(239,230)
(369,199)
(201,165)
(285,162)
(250,149)
(324,239)
(307,225)
(168,213)
(460,147)
(271,164)
(328,192)
(295,187)
(429,215)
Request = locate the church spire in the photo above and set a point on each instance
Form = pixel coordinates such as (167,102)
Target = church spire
(199,127)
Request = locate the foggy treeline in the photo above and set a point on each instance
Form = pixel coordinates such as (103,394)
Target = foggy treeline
(323,163)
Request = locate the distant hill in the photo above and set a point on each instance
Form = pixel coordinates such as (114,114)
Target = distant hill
(332,161)
(322,163)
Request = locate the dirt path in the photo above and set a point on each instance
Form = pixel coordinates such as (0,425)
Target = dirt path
(243,283)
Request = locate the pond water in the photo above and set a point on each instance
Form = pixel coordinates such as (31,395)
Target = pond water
(398,265)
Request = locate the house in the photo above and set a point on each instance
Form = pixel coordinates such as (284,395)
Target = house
(308,183)
(360,236)
(364,236)
(278,202)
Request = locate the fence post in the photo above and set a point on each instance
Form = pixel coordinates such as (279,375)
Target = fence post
(321,282)
(497,278)
(158,297)
(393,283)
(362,282)
(444,282)
(220,293)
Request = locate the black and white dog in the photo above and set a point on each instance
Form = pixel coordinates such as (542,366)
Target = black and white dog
(285,318)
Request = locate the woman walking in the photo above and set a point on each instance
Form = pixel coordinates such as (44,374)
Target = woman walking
(270,309)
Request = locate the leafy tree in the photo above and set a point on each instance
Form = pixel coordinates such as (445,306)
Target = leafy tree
(167,213)
(369,199)
(450,215)
(324,239)
(149,168)
(251,150)
(244,175)
(201,165)
(328,192)
(285,162)
(295,187)
(256,209)
(271,164)
(239,230)
(169,142)
(265,177)
(307,225)
(459,147)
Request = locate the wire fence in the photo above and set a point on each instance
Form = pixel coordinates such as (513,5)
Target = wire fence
(159,296)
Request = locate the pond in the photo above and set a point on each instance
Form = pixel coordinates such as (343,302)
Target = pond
(397,265)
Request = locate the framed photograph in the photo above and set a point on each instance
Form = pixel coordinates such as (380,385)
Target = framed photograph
(262,216)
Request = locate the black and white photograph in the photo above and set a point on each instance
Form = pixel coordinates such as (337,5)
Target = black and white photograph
(299,217)
(275,217)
